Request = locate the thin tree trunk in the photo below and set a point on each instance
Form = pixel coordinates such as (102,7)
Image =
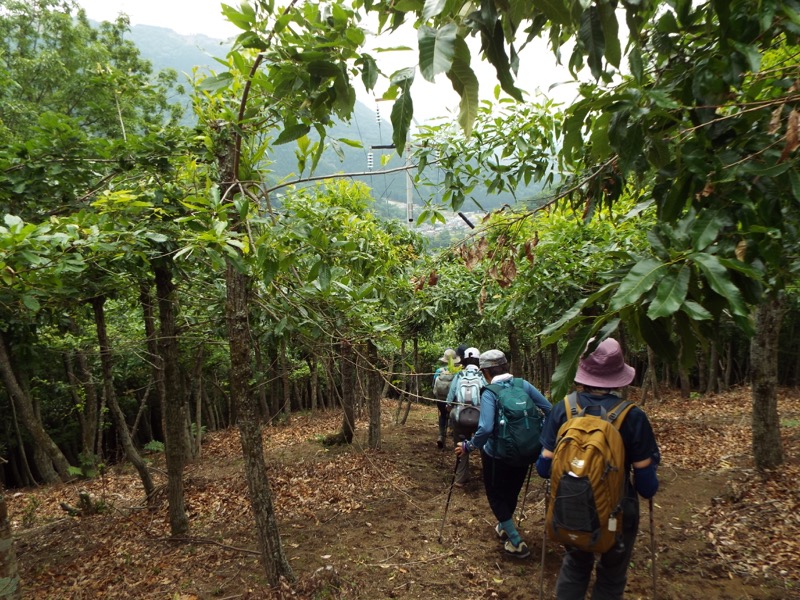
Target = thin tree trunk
(142,408)
(108,388)
(348,392)
(175,409)
(713,370)
(374,394)
(286,384)
(197,386)
(767,448)
(89,405)
(156,363)
(387,377)
(312,368)
(10,586)
(262,387)
(29,479)
(514,351)
(268,537)
(24,406)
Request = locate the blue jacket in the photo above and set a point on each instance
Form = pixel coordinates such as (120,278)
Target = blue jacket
(484,436)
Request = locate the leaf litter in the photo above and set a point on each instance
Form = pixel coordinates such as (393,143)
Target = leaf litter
(358,523)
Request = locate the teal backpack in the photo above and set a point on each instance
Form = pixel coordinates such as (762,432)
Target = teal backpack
(517,425)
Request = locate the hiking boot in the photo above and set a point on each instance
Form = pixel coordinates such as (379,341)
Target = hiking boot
(520,551)
(501,533)
(440,443)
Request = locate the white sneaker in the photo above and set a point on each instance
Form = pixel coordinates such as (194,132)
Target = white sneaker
(520,551)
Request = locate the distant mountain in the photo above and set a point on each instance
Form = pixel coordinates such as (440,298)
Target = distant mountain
(166,49)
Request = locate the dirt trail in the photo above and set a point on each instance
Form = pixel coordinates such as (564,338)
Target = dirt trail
(366,525)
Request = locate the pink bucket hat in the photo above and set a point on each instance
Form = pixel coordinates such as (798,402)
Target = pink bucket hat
(605,367)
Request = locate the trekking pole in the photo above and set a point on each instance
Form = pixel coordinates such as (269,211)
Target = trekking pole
(450,493)
(525,497)
(544,537)
(653,547)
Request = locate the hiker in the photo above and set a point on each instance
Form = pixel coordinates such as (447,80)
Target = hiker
(465,390)
(601,374)
(442,378)
(505,461)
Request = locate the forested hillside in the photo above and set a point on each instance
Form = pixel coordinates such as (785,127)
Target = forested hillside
(167,296)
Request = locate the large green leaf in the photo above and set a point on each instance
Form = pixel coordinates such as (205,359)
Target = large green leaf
(639,280)
(436,49)
(670,294)
(402,111)
(608,19)
(564,373)
(706,227)
(292,133)
(556,10)
(591,35)
(432,8)
(719,280)
(465,83)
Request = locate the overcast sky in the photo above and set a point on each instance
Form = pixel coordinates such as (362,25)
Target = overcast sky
(430,100)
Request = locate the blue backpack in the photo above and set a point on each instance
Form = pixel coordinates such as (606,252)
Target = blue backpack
(518,424)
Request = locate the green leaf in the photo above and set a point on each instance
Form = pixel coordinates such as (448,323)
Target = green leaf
(292,133)
(591,35)
(719,280)
(600,146)
(402,111)
(555,10)
(670,294)
(565,322)
(215,82)
(564,373)
(639,280)
(695,311)
(30,302)
(239,19)
(706,227)
(608,20)
(156,237)
(432,8)
(465,83)
(436,50)
(635,64)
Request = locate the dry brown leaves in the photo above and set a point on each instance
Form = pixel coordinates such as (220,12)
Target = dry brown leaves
(754,527)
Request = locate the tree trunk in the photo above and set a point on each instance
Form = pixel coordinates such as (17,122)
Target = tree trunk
(175,413)
(286,384)
(374,394)
(314,392)
(713,370)
(262,384)
(271,552)
(348,392)
(108,388)
(767,448)
(388,377)
(197,387)
(89,407)
(157,368)
(514,351)
(9,577)
(24,406)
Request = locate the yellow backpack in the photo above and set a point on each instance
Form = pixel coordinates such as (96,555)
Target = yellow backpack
(587,481)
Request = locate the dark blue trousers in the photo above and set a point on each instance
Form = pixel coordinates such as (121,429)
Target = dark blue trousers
(611,573)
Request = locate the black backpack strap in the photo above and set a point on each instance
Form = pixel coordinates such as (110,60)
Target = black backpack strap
(572,405)
(619,412)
